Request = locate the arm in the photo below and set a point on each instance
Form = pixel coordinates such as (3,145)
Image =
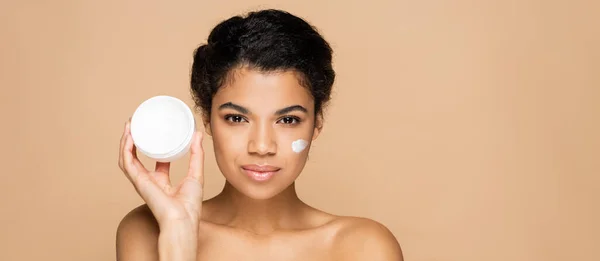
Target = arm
(176,243)
(369,240)
(139,238)
(166,228)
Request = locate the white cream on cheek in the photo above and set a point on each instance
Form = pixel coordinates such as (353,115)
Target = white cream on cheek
(299,145)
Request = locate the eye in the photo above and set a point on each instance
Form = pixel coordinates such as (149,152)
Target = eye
(290,120)
(234,118)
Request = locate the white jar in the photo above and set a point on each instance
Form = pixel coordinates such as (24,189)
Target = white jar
(162,128)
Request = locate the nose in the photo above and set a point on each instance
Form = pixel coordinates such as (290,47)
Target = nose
(262,140)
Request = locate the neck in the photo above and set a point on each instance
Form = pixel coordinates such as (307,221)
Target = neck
(259,216)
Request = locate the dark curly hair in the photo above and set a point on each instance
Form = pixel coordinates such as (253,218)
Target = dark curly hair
(267,40)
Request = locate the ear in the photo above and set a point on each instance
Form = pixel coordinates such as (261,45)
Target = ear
(206,122)
(318,126)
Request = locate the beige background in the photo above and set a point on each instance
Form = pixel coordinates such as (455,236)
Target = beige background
(469,128)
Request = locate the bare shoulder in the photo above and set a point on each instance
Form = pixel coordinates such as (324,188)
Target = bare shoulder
(137,235)
(365,239)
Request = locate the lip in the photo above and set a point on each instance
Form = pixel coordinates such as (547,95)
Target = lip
(260,168)
(260,172)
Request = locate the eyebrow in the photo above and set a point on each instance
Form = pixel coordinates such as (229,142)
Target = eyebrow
(243,110)
(292,108)
(235,107)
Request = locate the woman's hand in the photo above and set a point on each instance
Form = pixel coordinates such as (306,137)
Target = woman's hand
(179,206)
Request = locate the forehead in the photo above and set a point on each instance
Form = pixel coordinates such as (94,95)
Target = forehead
(266,91)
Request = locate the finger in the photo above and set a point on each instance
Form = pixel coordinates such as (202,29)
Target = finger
(196,168)
(146,186)
(191,189)
(132,150)
(131,163)
(136,162)
(121,145)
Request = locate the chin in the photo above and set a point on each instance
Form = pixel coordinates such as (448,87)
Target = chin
(260,190)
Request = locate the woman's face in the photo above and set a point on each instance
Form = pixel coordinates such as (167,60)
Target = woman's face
(262,125)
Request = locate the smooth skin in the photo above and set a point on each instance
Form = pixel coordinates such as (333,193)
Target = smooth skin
(254,119)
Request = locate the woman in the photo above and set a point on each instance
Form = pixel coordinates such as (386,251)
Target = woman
(261,83)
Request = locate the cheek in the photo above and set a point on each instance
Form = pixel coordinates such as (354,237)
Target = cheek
(295,150)
(229,146)
(295,144)
(299,145)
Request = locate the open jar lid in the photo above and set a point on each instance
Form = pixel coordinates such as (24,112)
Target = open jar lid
(162,127)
